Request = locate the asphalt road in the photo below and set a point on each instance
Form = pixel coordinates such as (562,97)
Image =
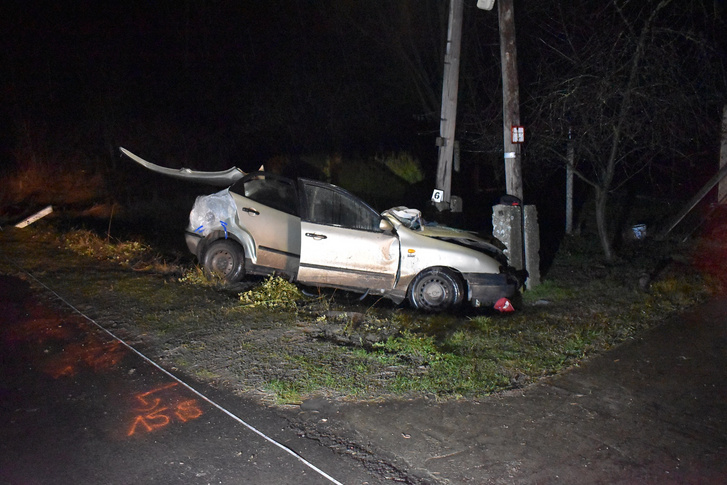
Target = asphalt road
(80,407)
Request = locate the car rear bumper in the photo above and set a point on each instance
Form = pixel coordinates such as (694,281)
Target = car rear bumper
(193,241)
(486,289)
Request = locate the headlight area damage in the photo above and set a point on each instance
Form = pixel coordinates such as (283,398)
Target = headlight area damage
(321,235)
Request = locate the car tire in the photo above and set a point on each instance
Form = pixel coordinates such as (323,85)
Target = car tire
(226,260)
(436,290)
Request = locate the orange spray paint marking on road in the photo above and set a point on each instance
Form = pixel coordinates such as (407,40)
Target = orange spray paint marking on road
(60,371)
(159,407)
(148,405)
(63,344)
(91,351)
(188,410)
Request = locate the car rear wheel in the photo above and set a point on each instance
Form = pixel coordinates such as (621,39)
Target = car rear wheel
(436,290)
(225,259)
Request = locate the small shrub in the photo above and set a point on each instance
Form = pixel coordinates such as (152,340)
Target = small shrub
(411,346)
(274,292)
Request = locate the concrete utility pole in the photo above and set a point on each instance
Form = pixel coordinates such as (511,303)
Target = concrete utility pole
(448,117)
(510,97)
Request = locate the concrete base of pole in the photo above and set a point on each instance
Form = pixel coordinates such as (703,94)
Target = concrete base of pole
(507,227)
(522,252)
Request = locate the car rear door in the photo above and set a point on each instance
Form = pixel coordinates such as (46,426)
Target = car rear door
(267,208)
(341,242)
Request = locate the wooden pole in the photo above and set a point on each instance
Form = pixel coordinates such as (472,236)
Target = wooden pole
(510,97)
(718,178)
(693,202)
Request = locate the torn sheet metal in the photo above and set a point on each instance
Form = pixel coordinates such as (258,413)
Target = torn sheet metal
(223,178)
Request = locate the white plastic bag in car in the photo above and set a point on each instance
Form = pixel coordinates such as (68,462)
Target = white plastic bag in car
(212,211)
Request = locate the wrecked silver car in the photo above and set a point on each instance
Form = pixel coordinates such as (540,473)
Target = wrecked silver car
(321,235)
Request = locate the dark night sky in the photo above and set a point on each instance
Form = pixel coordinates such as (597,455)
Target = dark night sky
(214,84)
(256,77)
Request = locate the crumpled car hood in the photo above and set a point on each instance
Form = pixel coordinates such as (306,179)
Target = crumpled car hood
(412,219)
(459,236)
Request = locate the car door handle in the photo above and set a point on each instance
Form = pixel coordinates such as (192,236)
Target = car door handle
(315,236)
(250,211)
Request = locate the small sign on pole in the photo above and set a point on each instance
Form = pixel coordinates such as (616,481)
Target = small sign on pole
(518,134)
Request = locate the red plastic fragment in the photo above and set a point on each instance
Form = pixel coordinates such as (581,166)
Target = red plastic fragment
(503,305)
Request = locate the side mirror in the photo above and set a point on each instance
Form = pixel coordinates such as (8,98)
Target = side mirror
(385,225)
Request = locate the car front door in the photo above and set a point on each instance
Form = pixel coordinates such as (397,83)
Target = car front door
(341,242)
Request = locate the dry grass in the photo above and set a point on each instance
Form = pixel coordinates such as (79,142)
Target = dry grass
(134,254)
(44,184)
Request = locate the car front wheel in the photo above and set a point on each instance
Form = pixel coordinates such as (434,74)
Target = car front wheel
(226,260)
(435,290)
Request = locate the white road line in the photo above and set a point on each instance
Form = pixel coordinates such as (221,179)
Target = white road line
(195,391)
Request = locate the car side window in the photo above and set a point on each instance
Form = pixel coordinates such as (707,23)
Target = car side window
(277,193)
(326,205)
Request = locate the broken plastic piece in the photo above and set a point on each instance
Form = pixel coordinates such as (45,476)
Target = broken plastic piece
(503,305)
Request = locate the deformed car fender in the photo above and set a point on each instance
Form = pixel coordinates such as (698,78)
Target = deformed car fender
(481,274)
(243,238)
(215,217)
(421,252)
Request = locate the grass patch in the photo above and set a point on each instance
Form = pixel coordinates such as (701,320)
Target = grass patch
(304,375)
(549,291)
(272,338)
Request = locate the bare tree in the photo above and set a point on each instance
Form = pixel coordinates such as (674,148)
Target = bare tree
(621,76)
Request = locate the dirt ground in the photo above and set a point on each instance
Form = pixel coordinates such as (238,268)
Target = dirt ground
(648,412)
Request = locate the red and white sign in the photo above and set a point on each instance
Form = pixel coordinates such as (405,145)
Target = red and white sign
(518,134)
